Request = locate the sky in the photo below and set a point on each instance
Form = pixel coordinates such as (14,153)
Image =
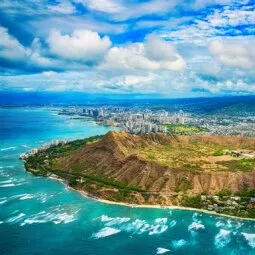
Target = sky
(171,48)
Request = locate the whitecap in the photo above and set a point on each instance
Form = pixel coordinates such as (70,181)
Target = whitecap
(56,216)
(179,243)
(158,229)
(107,231)
(16,218)
(172,223)
(117,221)
(7,181)
(3,200)
(222,238)
(195,226)
(135,225)
(8,148)
(219,224)
(26,196)
(7,185)
(162,250)
(105,218)
(250,238)
(161,221)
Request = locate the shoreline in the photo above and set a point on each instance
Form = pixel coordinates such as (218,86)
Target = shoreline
(162,207)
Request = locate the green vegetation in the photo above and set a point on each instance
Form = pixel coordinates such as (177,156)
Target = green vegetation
(192,201)
(69,162)
(218,153)
(246,193)
(183,184)
(225,192)
(183,129)
(243,165)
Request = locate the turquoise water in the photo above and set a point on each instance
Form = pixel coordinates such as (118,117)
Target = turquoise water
(41,216)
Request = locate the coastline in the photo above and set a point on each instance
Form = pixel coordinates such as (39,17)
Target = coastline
(87,195)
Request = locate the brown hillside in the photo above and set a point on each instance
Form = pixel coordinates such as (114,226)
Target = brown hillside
(164,164)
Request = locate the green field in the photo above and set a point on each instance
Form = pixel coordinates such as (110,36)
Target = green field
(183,129)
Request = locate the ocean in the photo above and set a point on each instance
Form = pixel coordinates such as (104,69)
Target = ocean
(42,216)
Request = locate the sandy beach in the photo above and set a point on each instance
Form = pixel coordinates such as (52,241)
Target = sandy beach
(87,195)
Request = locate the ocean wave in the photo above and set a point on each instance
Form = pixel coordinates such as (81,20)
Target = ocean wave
(16,218)
(161,250)
(7,185)
(5,182)
(117,221)
(223,238)
(105,218)
(161,221)
(135,226)
(107,231)
(250,238)
(55,216)
(158,229)
(8,148)
(220,224)
(26,196)
(195,226)
(172,223)
(25,146)
(176,244)
(3,200)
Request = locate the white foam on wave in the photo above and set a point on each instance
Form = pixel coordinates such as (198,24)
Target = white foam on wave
(161,221)
(250,238)
(219,224)
(196,226)
(104,232)
(3,200)
(161,250)
(16,218)
(172,223)
(8,148)
(26,196)
(179,243)
(7,185)
(55,216)
(117,221)
(223,238)
(7,181)
(136,226)
(105,218)
(158,229)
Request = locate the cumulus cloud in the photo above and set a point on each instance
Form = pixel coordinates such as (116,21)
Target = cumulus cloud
(154,54)
(10,47)
(13,51)
(81,45)
(233,52)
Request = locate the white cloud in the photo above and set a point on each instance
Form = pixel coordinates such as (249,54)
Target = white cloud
(231,17)
(122,10)
(198,4)
(10,47)
(13,51)
(108,6)
(234,52)
(63,7)
(154,54)
(81,45)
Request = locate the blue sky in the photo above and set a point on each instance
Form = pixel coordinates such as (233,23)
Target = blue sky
(173,48)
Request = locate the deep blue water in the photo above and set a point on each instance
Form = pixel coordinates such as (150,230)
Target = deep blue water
(41,216)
